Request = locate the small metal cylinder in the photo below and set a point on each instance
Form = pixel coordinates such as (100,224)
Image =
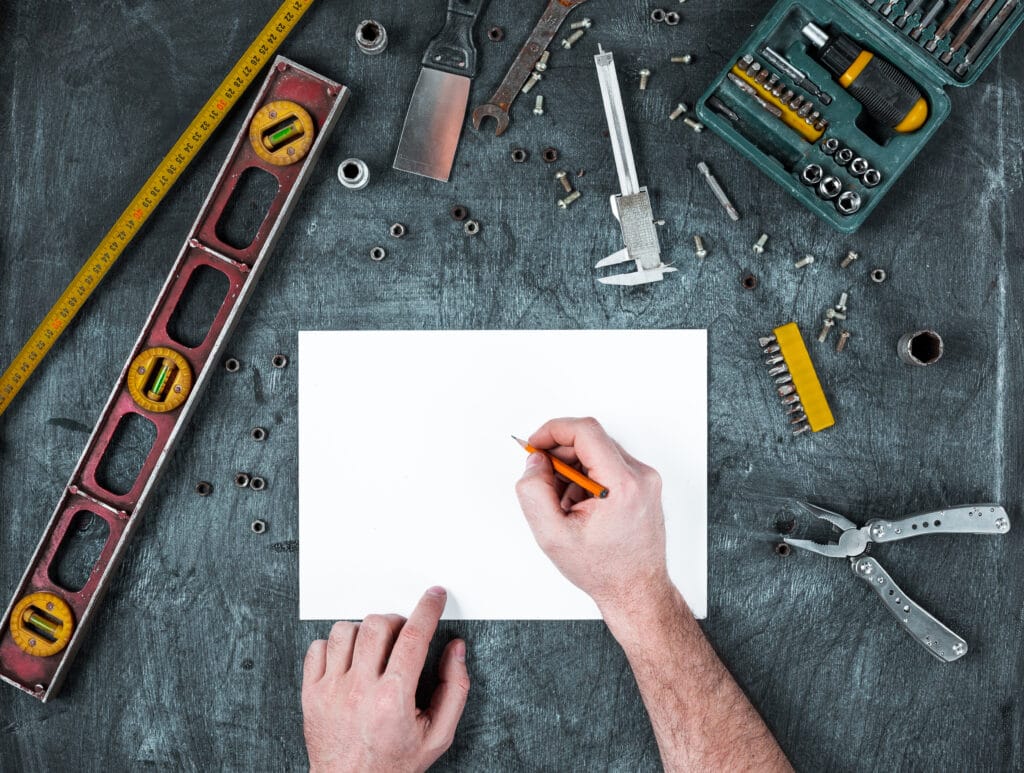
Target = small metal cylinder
(353,174)
(921,347)
(371,37)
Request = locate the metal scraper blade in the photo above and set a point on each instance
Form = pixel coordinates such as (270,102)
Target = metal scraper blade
(433,124)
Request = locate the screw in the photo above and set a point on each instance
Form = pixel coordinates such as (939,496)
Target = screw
(698,242)
(644,75)
(534,78)
(843,338)
(563,177)
(582,24)
(538,107)
(680,109)
(564,203)
(841,306)
(805,261)
(850,257)
(684,59)
(542,63)
(760,243)
(697,126)
(568,42)
(825,329)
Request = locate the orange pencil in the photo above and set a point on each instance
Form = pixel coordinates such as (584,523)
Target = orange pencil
(569,473)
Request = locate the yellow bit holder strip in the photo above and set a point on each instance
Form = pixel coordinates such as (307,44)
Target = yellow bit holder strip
(146,200)
(805,379)
(789,115)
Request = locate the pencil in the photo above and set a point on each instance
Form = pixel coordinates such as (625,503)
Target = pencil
(569,473)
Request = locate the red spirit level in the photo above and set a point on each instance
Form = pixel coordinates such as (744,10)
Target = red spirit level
(284,134)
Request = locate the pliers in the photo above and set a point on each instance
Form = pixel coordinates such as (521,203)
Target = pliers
(853,544)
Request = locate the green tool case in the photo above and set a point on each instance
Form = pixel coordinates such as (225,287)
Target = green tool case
(836,126)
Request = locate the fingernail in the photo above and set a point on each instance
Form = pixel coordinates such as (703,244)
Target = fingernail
(460,651)
(534,459)
(437,590)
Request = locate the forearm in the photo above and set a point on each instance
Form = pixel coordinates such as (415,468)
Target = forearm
(701,718)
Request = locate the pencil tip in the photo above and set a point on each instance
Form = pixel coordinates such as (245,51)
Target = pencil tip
(519,441)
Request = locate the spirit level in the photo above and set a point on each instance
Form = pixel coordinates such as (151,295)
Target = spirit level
(284,134)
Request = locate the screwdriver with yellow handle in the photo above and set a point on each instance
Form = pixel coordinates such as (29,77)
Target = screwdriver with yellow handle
(887,94)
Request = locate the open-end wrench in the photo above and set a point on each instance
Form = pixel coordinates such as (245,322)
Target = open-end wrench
(497,106)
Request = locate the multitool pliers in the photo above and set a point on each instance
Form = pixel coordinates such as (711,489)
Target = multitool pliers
(853,544)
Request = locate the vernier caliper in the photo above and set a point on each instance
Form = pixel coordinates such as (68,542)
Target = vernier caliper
(632,207)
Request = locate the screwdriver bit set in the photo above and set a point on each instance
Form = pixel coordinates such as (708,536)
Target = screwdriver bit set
(833,101)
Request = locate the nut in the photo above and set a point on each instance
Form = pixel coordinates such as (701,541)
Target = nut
(279,361)
(471,227)
(550,155)
(459,213)
(354,174)
(258,434)
(672,18)
(749,282)
(258,526)
(204,488)
(397,230)
(378,254)
(519,155)
(496,34)
(257,483)
(231,365)
(878,276)
(242,480)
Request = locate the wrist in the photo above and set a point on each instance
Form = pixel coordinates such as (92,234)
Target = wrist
(645,603)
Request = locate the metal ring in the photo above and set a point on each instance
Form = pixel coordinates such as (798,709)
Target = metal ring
(878,276)
(496,34)
(459,213)
(231,365)
(672,18)
(397,230)
(658,15)
(204,488)
(279,361)
(519,155)
(242,480)
(378,254)
(550,155)
(256,483)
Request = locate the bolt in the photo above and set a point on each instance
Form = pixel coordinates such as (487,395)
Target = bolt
(805,261)
(680,109)
(538,107)
(563,177)
(564,203)
(542,63)
(697,126)
(698,242)
(843,338)
(534,78)
(582,24)
(759,245)
(841,306)
(645,74)
(850,257)
(568,42)
(826,329)
(684,59)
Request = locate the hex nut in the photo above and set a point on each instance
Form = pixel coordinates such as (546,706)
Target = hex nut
(658,15)
(258,526)
(459,213)
(398,231)
(550,155)
(259,434)
(471,227)
(242,480)
(496,34)
(279,361)
(378,254)
(231,365)
(204,488)
(256,483)
(519,155)
(672,18)
(878,276)
(748,282)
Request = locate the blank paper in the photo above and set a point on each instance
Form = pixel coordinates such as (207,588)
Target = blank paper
(407,468)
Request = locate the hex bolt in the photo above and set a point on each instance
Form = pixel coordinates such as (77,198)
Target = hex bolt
(681,108)
(760,243)
(843,338)
(534,79)
(697,126)
(806,260)
(645,75)
(684,59)
(563,177)
(564,203)
(850,257)
(568,42)
(826,329)
(582,24)
(700,251)
(538,106)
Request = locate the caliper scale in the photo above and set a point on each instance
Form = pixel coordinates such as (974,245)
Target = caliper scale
(284,134)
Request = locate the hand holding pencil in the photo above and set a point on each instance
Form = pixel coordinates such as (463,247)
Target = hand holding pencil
(613,546)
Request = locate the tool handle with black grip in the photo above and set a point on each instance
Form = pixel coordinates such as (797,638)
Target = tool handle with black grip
(452,49)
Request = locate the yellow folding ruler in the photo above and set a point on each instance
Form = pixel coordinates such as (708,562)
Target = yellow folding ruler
(147,199)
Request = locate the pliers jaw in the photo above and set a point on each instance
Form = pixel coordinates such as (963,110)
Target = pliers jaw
(853,541)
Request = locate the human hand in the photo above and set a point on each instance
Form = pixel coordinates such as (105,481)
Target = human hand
(613,548)
(359,693)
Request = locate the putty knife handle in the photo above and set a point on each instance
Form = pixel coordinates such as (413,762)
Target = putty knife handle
(452,49)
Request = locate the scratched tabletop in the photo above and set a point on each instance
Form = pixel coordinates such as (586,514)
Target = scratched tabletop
(194,660)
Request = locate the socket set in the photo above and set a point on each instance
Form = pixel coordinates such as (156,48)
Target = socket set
(833,101)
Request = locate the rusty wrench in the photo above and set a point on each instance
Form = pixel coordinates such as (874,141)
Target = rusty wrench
(547,27)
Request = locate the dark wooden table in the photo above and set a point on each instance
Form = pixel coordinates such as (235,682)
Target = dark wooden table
(194,662)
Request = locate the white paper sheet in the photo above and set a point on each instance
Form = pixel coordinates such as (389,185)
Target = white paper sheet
(407,468)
